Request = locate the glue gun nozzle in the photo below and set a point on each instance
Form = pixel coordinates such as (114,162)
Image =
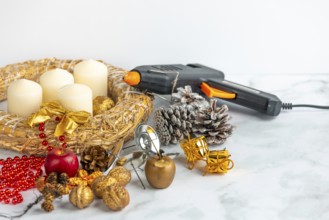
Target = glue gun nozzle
(132,78)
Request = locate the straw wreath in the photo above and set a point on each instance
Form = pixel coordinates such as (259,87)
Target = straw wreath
(109,129)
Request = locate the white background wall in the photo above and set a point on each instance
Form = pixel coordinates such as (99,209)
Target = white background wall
(236,36)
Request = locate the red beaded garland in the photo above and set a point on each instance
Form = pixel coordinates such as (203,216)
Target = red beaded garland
(44,142)
(41,128)
(42,135)
(18,174)
(61,138)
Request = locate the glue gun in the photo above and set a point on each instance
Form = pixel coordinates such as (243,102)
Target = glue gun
(164,79)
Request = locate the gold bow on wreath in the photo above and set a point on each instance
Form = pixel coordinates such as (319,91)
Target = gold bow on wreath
(69,120)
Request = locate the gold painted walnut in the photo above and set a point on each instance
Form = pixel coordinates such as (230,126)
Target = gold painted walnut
(100,183)
(81,196)
(121,174)
(116,197)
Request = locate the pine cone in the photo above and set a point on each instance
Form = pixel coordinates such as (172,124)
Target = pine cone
(47,206)
(61,189)
(186,98)
(212,123)
(94,158)
(40,183)
(173,123)
(48,196)
(63,179)
(52,178)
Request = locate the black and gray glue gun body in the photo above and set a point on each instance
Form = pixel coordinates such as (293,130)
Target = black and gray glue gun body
(164,79)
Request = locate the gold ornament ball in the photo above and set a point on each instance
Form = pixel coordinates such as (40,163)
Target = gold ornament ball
(121,174)
(81,196)
(100,183)
(116,197)
(160,172)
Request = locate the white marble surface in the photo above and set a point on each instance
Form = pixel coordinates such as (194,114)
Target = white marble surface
(281,167)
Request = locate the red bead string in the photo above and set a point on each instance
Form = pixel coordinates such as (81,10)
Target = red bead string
(43,136)
(18,174)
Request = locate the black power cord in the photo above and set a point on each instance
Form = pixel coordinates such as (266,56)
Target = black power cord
(289,106)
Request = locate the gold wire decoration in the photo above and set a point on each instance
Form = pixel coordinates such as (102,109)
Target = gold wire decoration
(218,162)
(109,129)
(194,149)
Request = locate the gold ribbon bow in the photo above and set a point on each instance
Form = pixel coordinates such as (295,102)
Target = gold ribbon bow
(69,120)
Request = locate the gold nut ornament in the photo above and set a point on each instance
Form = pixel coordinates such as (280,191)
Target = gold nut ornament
(100,183)
(121,174)
(116,197)
(81,196)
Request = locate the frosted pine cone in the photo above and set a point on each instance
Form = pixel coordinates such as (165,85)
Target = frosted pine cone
(173,124)
(212,123)
(186,98)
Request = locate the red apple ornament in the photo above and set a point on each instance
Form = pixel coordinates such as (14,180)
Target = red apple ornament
(61,160)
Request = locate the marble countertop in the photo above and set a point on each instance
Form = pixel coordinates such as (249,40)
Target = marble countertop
(281,167)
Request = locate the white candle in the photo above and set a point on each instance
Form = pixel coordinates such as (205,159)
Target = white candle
(76,97)
(93,74)
(53,80)
(24,97)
